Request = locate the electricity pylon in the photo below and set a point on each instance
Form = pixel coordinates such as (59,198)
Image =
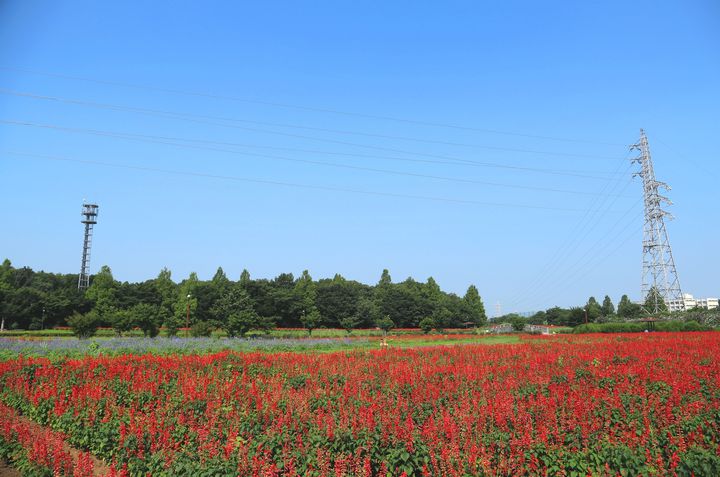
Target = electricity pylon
(659,276)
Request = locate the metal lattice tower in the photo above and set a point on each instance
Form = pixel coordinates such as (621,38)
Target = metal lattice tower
(658,268)
(89,213)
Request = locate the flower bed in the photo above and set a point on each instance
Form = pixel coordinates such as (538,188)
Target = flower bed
(577,405)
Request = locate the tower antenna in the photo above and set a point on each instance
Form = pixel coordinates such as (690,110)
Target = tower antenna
(89,213)
(659,277)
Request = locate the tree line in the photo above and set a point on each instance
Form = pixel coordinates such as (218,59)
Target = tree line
(606,312)
(42,300)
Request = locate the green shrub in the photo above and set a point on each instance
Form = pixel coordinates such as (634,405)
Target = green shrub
(427,324)
(148,318)
(84,326)
(385,324)
(201,329)
(681,326)
(637,327)
(121,321)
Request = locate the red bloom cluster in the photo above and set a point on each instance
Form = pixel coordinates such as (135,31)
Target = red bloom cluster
(573,405)
(44,447)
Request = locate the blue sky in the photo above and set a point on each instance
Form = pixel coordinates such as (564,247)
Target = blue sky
(481,143)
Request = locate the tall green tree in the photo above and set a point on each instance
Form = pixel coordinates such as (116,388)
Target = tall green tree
(518,322)
(404,303)
(385,279)
(608,308)
(627,309)
(186,297)
(432,292)
(654,301)
(207,293)
(474,306)
(367,312)
(24,307)
(235,312)
(148,318)
(220,279)
(306,292)
(5,288)
(557,316)
(102,293)
(539,318)
(281,301)
(166,289)
(442,318)
(306,296)
(337,301)
(245,278)
(593,309)
(576,316)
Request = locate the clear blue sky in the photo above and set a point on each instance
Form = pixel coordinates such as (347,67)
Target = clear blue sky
(475,142)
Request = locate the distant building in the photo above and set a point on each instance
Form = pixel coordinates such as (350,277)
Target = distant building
(541,329)
(501,328)
(689,302)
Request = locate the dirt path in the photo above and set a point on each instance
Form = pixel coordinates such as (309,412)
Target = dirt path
(7,471)
(99,467)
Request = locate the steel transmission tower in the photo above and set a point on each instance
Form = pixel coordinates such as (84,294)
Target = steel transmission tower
(658,268)
(89,213)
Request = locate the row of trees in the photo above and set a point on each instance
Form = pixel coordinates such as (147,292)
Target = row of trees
(35,300)
(596,312)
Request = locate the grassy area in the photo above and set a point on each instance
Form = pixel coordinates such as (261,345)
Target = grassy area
(415,341)
(60,348)
(275,333)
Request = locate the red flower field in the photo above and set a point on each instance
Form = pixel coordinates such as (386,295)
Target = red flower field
(573,406)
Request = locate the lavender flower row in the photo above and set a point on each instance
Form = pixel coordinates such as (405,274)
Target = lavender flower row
(161,345)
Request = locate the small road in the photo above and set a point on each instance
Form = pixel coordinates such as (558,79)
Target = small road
(7,471)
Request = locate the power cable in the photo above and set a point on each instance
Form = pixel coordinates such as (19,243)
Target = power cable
(689,159)
(184,116)
(585,260)
(299,107)
(285,184)
(576,236)
(170,141)
(572,173)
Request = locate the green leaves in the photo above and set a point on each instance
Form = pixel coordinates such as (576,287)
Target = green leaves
(84,326)
(236,313)
(311,319)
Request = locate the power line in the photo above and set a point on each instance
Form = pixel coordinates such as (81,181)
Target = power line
(572,273)
(579,232)
(286,184)
(582,269)
(612,252)
(689,159)
(299,107)
(584,262)
(185,116)
(169,141)
(566,172)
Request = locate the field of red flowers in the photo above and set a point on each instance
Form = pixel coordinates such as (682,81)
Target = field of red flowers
(572,406)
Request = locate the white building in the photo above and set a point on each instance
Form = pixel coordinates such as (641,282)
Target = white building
(708,303)
(689,302)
